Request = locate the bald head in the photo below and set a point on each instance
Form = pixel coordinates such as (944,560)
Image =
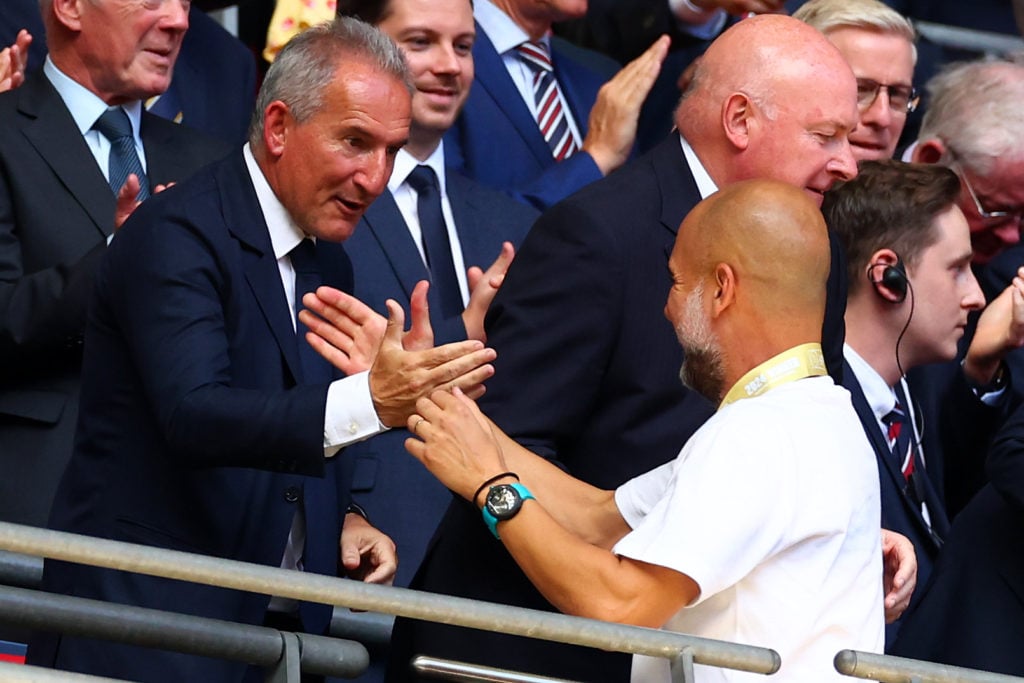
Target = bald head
(750,263)
(772,98)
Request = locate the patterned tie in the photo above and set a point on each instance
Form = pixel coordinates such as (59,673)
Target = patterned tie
(900,440)
(551,118)
(436,246)
(124,160)
(315,370)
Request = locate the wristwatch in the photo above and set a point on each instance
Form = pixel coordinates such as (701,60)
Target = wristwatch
(503,502)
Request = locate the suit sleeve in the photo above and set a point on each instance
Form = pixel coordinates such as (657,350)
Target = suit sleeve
(564,285)
(1005,466)
(42,307)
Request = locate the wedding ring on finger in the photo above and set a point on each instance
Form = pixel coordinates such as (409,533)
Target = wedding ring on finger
(415,427)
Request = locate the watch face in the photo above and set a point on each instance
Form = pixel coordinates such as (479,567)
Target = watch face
(503,501)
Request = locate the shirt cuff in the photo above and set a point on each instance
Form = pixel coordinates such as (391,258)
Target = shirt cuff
(711,26)
(350,415)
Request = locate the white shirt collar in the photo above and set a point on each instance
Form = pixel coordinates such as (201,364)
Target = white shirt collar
(284,233)
(504,33)
(405,163)
(85,106)
(879,395)
(705,185)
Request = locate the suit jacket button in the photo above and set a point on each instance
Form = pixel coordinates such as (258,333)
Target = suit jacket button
(291,494)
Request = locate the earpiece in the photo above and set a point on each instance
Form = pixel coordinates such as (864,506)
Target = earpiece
(894,279)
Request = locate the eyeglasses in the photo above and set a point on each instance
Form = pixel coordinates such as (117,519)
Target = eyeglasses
(902,98)
(994,216)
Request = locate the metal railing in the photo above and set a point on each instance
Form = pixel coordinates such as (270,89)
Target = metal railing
(984,42)
(889,669)
(257,645)
(681,650)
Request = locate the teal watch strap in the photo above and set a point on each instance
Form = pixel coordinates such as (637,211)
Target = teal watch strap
(491,521)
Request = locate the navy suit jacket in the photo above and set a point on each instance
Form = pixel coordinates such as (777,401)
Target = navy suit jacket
(196,432)
(56,211)
(586,374)
(899,512)
(401,496)
(496,140)
(973,612)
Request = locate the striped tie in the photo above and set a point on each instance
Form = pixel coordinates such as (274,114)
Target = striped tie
(124,160)
(551,118)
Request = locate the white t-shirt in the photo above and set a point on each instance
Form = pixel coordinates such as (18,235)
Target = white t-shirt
(772,508)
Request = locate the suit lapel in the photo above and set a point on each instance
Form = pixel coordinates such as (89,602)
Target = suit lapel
(245,222)
(52,131)
(392,235)
(475,243)
(570,75)
(676,186)
(883,452)
(492,76)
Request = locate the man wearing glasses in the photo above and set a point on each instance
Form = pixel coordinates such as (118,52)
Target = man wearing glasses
(974,125)
(878,43)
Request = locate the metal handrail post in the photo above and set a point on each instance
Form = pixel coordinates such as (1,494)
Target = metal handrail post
(681,667)
(287,669)
(890,669)
(403,602)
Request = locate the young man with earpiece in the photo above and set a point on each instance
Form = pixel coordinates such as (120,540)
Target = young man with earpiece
(911,290)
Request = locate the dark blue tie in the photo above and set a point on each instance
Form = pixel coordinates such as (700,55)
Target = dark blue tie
(315,370)
(124,160)
(437,248)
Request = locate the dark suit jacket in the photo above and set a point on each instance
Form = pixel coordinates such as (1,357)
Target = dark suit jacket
(496,140)
(586,374)
(195,432)
(899,512)
(973,613)
(403,499)
(56,211)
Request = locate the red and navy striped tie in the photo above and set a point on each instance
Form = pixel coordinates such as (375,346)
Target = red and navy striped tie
(551,118)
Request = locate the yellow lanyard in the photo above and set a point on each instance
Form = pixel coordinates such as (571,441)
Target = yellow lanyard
(798,362)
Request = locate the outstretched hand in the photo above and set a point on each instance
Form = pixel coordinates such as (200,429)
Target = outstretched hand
(348,333)
(453,439)
(398,376)
(1000,330)
(126,199)
(483,285)
(612,126)
(13,60)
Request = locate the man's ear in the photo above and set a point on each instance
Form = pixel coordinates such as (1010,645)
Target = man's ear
(277,122)
(929,151)
(882,260)
(68,13)
(724,290)
(737,114)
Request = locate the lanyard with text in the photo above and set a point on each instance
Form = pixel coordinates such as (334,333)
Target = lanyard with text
(798,362)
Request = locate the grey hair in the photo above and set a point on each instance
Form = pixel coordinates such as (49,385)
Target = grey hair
(975,109)
(305,67)
(871,15)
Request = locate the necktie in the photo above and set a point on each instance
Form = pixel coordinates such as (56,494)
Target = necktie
(551,118)
(436,246)
(115,126)
(315,370)
(904,450)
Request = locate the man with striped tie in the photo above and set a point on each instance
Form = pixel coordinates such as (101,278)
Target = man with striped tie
(911,290)
(70,137)
(545,117)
